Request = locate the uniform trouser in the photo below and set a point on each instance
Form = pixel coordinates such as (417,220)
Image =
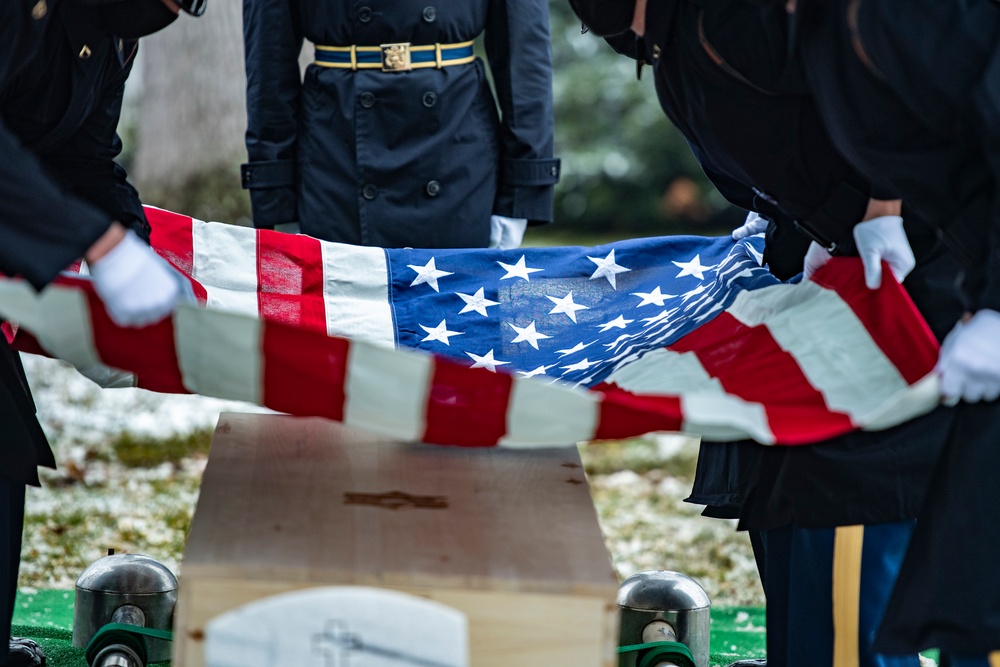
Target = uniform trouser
(949,585)
(12,516)
(827,591)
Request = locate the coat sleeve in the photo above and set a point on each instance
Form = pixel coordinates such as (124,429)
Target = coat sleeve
(519,52)
(86,163)
(44,227)
(272,42)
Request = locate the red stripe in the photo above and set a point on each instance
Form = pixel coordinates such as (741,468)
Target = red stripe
(23,341)
(149,351)
(888,313)
(625,415)
(172,238)
(466,406)
(750,364)
(290,280)
(304,372)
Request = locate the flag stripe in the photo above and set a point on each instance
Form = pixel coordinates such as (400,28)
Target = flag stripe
(290,280)
(386,389)
(829,344)
(219,353)
(456,392)
(542,414)
(356,291)
(304,373)
(748,363)
(225,263)
(889,317)
(172,236)
(623,413)
(151,347)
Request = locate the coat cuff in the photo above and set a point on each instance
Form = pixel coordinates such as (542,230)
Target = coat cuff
(267,174)
(272,191)
(530,172)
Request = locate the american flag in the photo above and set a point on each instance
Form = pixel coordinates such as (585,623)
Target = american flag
(533,346)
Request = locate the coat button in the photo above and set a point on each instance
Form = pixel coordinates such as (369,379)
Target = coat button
(369,191)
(430,99)
(430,14)
(365,14)
(367,100)
(433,188)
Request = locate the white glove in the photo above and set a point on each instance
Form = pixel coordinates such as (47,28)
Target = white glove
(969,364)
(816,256)
(754,224)
(137,286)
(506,233)
(883,238)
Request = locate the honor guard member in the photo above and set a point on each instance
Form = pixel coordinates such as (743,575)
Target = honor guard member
(723,77)
(910,92)
(63,65)
(393,138)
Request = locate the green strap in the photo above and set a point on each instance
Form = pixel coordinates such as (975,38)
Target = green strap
(132,636)
(136,630)
(675,652)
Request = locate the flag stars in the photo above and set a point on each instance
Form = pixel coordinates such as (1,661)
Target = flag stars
(565,305)
(581,365)
(476,302)
(439,333)
(519,270)
(429,274)
(486,361)
(576,348)
(528,335)
(655,297)
(692,268)
(607,268)
(538,371)
(617,323)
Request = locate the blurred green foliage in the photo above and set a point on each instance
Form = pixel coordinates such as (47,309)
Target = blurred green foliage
(626,169)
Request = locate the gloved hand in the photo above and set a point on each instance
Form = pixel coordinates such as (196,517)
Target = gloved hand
(506,233)
(816,256)
(883,238)
(754,224)
(969,363)
(137,286)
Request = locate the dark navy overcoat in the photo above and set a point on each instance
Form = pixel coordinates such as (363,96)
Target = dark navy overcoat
(416,158)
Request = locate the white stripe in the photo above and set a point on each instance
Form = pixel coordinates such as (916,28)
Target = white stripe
(356,293)
(386,389)
(919,398)
(225,262)
(542,415)
(829,343)
(219,353)
(707,409)
(666,373)
(58,317)
(720,417)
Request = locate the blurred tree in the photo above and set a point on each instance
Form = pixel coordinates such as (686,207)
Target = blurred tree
(192,115)
(622,159)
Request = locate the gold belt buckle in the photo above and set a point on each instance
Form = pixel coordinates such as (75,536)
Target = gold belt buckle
(396,57)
